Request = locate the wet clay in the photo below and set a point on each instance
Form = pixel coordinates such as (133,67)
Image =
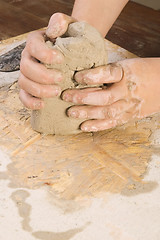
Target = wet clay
(75,167)
(83,47)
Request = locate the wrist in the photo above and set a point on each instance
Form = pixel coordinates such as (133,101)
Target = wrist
(101,14)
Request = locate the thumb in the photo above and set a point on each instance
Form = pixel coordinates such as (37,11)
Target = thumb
(110,73)
(58,25)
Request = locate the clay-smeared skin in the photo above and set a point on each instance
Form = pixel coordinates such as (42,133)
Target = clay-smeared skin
(133,95)
(83,48)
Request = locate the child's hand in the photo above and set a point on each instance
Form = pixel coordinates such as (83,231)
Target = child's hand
(133,94)
(36,81)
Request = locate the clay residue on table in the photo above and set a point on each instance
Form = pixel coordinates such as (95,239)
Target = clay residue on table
(57,236)
(73,167)
(19,197)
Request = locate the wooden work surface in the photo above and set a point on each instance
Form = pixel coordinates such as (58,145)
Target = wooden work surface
(78,166)
(137,29)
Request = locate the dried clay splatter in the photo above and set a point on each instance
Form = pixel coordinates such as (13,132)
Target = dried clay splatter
(78,166)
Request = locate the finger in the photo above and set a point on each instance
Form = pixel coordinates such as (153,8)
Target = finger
(110,73)
(100,125)
(96,97)
(77,95)
(58,25)
(37,71)
(67,95)
(30,101)
(97,125)
(38,49)
(38,90)
(106,112)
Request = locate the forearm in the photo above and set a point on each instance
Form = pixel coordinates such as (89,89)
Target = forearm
(99,13)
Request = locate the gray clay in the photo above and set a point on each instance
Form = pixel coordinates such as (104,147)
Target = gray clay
(83,47)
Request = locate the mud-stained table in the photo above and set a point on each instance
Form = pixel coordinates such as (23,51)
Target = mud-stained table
(87,186)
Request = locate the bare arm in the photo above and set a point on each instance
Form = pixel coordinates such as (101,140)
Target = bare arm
(99,13)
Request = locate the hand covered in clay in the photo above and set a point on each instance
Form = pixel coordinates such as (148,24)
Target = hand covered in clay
(131,90)
(36,81)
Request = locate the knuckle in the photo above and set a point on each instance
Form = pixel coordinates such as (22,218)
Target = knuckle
(108,112)
(25,102)
(25,61)
(30,47)
(111,113)
(20,81)
(46,56)
(29,104)
(41,91)
(30,35)
(105,101)
(44,92)
(23,65)
(110,98)
(45,77)
(37,92)
(23,53)
(20,95)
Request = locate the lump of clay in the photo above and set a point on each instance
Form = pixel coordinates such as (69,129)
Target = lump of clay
(83,47)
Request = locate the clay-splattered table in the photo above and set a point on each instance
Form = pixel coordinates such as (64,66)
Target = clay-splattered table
(87,186)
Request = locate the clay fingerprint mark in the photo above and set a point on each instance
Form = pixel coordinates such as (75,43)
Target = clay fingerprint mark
(57,236)
(78,166)
(19,197)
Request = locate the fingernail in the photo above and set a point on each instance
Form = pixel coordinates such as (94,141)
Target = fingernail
(93,129)
(78,114)
(73,113)
(89,129)
(85,128)
(56,91)
(67,97)
(78,77)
